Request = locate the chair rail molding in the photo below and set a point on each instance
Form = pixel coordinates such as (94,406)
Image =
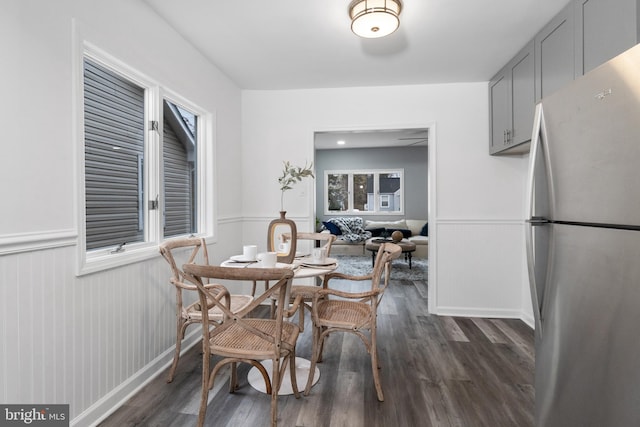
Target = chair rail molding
(35,241)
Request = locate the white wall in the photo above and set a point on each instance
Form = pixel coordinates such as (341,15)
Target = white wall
(476,201)
(90,341)
(87,341)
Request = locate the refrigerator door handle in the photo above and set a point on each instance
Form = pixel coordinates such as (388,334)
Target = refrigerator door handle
(533,220)
(538,220)
(533,156)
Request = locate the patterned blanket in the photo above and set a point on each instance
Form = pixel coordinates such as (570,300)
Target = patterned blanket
(352,228)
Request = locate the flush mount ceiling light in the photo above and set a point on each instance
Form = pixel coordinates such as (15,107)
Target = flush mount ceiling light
(374,18)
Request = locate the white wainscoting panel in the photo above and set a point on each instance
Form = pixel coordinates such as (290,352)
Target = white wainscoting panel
(88,341)
(479,271)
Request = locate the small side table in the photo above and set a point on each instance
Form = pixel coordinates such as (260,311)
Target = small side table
(407,248)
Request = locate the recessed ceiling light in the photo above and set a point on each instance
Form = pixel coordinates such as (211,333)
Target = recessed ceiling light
(341,142)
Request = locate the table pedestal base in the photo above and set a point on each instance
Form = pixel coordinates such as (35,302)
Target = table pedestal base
(302,374)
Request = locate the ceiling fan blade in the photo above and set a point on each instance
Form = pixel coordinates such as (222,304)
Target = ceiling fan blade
(417,142)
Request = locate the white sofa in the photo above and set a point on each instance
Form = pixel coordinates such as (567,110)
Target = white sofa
(342,247)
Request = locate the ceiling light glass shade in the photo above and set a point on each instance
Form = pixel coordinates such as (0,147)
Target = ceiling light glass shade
(374,18)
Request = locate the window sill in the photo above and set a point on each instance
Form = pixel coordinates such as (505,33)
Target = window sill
(96,263)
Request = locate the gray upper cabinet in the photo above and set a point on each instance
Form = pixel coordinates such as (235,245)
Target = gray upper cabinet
(582,36)
(499,112)
(512,95)
(522,95)
(603,31)
(555,54)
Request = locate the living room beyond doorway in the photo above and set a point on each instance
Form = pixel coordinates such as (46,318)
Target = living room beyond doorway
(403,152)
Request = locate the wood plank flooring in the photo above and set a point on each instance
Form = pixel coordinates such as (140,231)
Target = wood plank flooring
(436,371)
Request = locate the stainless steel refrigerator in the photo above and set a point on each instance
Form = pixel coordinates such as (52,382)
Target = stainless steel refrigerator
(583,249)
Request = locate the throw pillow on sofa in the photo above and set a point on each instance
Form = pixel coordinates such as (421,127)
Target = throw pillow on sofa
(388,227)
(400,224)
(333,229)
(376,232)
(425,230)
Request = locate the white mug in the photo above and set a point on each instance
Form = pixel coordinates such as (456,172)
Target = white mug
(267,259)
(319,254)
(249,252)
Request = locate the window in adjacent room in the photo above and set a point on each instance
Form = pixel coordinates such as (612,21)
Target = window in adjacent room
(371,192)
(337,191)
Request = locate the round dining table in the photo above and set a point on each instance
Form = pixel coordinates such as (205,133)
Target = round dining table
(304,268)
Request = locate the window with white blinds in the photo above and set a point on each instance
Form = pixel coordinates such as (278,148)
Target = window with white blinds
(142,164)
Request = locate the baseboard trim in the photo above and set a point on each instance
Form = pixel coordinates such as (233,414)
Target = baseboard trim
(479,312)
(488,313)
(529,320)
(117,397)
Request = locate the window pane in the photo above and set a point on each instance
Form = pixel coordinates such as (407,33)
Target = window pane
(338,192)
(390,192)
(370,191)
(363,195)
(114,158)
(180,170)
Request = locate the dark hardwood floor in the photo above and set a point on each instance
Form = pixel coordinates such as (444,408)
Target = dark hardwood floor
(436,371)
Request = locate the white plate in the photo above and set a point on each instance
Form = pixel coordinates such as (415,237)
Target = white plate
(311,263)
(241,258)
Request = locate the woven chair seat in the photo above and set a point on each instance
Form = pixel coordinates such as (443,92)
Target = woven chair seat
(343,314)
(237,340)
(238,302)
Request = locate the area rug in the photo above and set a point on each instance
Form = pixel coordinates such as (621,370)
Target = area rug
(361,265)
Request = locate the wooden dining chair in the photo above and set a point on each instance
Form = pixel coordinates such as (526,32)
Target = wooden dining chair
(192,313)
(321,240)
(352,312)
(240,338)
(306,292)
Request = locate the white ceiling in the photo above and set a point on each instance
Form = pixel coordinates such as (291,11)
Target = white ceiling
(372,139)
(293,44)
(296,44)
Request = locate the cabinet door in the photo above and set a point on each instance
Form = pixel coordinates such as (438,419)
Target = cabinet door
(603,30)
(522,96)
(555,54)
(499,112)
